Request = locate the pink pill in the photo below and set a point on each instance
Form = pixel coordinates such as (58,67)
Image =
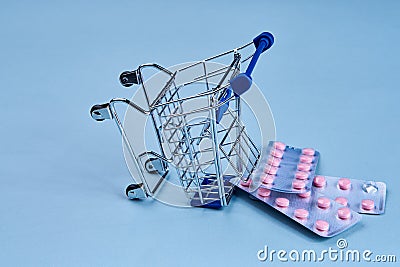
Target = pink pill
(323,202)
(341,201)
(301,214)
(305,195)
(282,202)
(264,192)
(322,225)
(270,169)
(367,204)
(245,183)
(301,175)
(306,159)
(267,179)
(274,161)
(304,167)
(308,151)
(297,184)
(344,183)
(319,181)
(276,153)
(344,213)
(280,146)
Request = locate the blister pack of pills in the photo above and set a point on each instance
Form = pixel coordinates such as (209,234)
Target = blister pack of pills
(362,196)
(321,215)
(286,169)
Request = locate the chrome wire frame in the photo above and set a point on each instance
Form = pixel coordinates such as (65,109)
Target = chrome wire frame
(231,151)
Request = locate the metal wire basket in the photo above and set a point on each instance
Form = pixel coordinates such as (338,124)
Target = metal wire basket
(196,115)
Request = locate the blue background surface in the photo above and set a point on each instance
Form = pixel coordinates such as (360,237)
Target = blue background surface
(332,80)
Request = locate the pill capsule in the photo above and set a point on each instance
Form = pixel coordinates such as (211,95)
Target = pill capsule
(270,169)
(305,194)
(264,192)
(301,175)
(323,202)
(304,167)
(276,153)
(322,225)
(308,151)
(367,204)
(344,213)
(280,146)
(341,201)
(282,202)
(306,159)
(301,214)
(267,179)
(344,183)
(273,161)
(297,184)
(319,181)
(245,183)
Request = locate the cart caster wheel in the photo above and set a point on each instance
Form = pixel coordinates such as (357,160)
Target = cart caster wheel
(154,165)
(135,191)
(128,78)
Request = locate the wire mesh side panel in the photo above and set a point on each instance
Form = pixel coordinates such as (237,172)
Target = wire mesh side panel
(237,148)
(201,149)
(176,137)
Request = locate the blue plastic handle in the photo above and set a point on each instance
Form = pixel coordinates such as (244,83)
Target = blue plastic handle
(222,109)
(242,82)
(262,43)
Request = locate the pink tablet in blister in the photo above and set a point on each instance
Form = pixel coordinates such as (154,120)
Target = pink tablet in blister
(298,184)
(308,151)
(304,195)
(323,202)
(264,192)
(276,153)
(268,179)
(272,161)
(359,195)
(301,175)
(305,208)
(319,181)
(245,183)
(322,225)
(270,169)
(305,167)
(284,163)
(344,183)
(367,204)
(301,214)
(282,202)
(344,213)
(279,145)
(341,201)
(306,159)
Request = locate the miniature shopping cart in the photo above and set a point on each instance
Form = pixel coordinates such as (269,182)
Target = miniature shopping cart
(195,113)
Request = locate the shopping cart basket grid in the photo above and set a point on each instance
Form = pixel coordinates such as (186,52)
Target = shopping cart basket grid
(198,125)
